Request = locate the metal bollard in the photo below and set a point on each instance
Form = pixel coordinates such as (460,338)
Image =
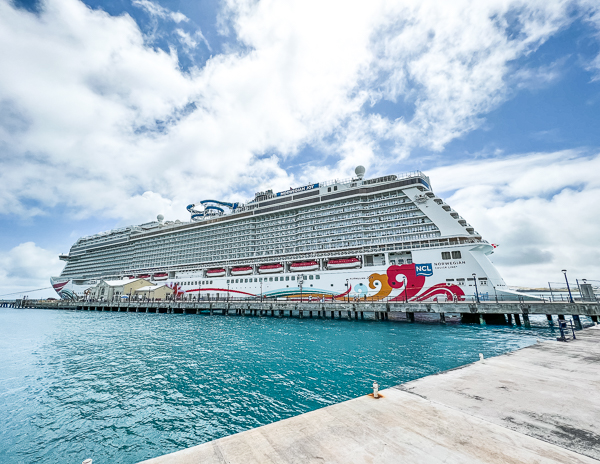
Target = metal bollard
(375,390)
(481,356)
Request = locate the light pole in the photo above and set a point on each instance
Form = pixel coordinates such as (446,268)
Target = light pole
(348,291)
(564,271)
(496,293)
(476,291)
(261,290)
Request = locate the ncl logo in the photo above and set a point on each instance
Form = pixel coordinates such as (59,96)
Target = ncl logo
(424,269)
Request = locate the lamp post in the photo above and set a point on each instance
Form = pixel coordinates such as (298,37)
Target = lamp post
(496,293)
(348,291)
(476,291)
(564,271)
(261,290)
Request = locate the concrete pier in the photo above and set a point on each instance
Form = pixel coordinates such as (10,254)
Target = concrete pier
(535,405)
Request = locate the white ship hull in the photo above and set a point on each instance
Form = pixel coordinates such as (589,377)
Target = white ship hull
(427,279)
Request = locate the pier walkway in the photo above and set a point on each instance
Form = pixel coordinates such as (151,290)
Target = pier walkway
(536,405)
(470,312)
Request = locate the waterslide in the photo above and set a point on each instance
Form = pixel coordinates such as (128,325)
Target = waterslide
(209,208)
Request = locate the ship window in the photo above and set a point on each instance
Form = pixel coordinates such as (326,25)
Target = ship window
(270,279)
(227,280)
(317,277)
(445,255)
(329,189)
(237,281)
(334,188)
(255,279)
(310,277)
(246,280)
(456,255)
(287,277)
(293,277)
(276,279)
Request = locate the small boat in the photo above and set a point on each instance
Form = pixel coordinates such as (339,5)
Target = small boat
(160,276)
(241,270)
(270,268)
(343,263)
(220,272)
(304,266)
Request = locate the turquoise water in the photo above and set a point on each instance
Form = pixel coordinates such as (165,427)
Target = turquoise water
(123,387)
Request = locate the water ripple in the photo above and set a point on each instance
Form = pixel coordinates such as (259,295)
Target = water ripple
(121,387)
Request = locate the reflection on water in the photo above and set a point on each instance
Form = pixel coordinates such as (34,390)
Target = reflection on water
(121,387)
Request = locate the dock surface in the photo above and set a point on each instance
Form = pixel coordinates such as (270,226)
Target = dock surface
(540,404)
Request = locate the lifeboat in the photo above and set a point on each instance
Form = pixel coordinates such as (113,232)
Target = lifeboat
(343,263)
(143,276)
(129,277)
(270,268)
(241,270)
(304,266)
(215,272)
(160,276)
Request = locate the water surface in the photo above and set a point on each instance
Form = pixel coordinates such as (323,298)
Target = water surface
(123,387)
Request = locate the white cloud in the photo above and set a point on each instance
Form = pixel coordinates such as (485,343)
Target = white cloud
(156,10)
(541,208)
(190,41)
(27,267)
(94,119)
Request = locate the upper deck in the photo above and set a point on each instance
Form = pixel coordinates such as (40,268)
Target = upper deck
(337,217)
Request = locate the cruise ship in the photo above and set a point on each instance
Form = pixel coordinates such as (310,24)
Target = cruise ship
(383,239)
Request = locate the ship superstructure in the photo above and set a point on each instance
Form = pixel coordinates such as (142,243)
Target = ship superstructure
(346,232)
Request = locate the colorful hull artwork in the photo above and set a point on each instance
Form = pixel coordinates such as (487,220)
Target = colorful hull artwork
(406,283)
(400,283)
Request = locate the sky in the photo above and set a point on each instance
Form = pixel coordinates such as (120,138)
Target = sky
(112,112)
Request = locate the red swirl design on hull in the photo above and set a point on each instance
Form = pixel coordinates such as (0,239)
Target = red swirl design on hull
(405,277)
